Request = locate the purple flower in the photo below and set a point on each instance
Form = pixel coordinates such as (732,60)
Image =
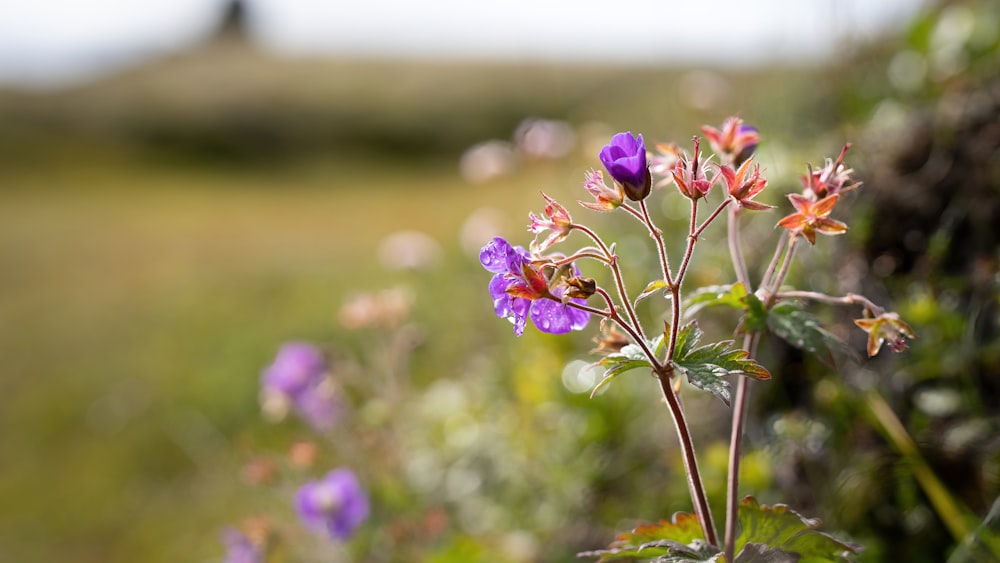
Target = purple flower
(335,505)
(625,160)
(318,405)
(520,291)
(297,367)
(239,548)
(298,379)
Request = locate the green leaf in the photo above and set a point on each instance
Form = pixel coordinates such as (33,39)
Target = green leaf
(707,366)
(756,314)
(628,358)
(714,295)
(800,329)
(650,290)
(676,541)
(778,534)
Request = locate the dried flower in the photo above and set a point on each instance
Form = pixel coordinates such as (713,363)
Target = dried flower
(690,177)
(610,341)
(335,505)
(886,328)
(832,179)
(811,217)
(735,142)
(743,189)
(625,160)
(580,287)
(556,219)
(663,161)
(608,199)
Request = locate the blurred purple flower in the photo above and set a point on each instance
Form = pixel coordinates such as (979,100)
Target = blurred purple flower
(297,367)
(239,548)
(298,379)
(625,160)
(335,505)
(520,291)
(319,406)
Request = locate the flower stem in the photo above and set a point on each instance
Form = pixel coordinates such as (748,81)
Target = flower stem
(712,217)
(849,299)
(779,278)
(657,235)
(695,485)
(769,273)
(736,249)
(750,341)
(619,281)
(675,288)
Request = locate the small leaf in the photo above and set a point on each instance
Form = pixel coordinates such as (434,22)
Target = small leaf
(707,366)
(628,358)
(707,378)
(778,534)
(687,338)
(676,541)
(650,290)
(756,313)
(714,295)
(800,329)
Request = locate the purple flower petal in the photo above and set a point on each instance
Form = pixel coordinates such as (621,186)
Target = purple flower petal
(297,366)
(335,505)
(494,256)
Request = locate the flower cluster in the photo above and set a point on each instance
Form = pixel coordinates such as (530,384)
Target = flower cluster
(821,191)
(549,289)
(298,379)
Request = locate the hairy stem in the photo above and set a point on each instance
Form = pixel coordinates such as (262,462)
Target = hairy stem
(704,225)
(657,235)
(779,278)
(736,249)
(750,341)
(849,299)
(696,487)
(617,274)
(675,288)
(765,281)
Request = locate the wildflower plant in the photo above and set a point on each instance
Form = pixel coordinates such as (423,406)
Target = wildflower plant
(546,285)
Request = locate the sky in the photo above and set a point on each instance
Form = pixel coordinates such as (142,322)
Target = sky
(53,42)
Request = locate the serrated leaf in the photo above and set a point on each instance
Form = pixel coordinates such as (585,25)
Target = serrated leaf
(628,358)
(675,541)
(650,290)
(778,534)
(714,295)
(707,377)
(707,366)
(804,331)
(687,338)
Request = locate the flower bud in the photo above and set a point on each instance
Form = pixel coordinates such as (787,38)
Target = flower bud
(580,287)
(625,160)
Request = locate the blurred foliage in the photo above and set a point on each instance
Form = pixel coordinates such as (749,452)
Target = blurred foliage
(164,230)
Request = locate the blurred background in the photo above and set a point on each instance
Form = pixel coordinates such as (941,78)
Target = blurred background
(186,185)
